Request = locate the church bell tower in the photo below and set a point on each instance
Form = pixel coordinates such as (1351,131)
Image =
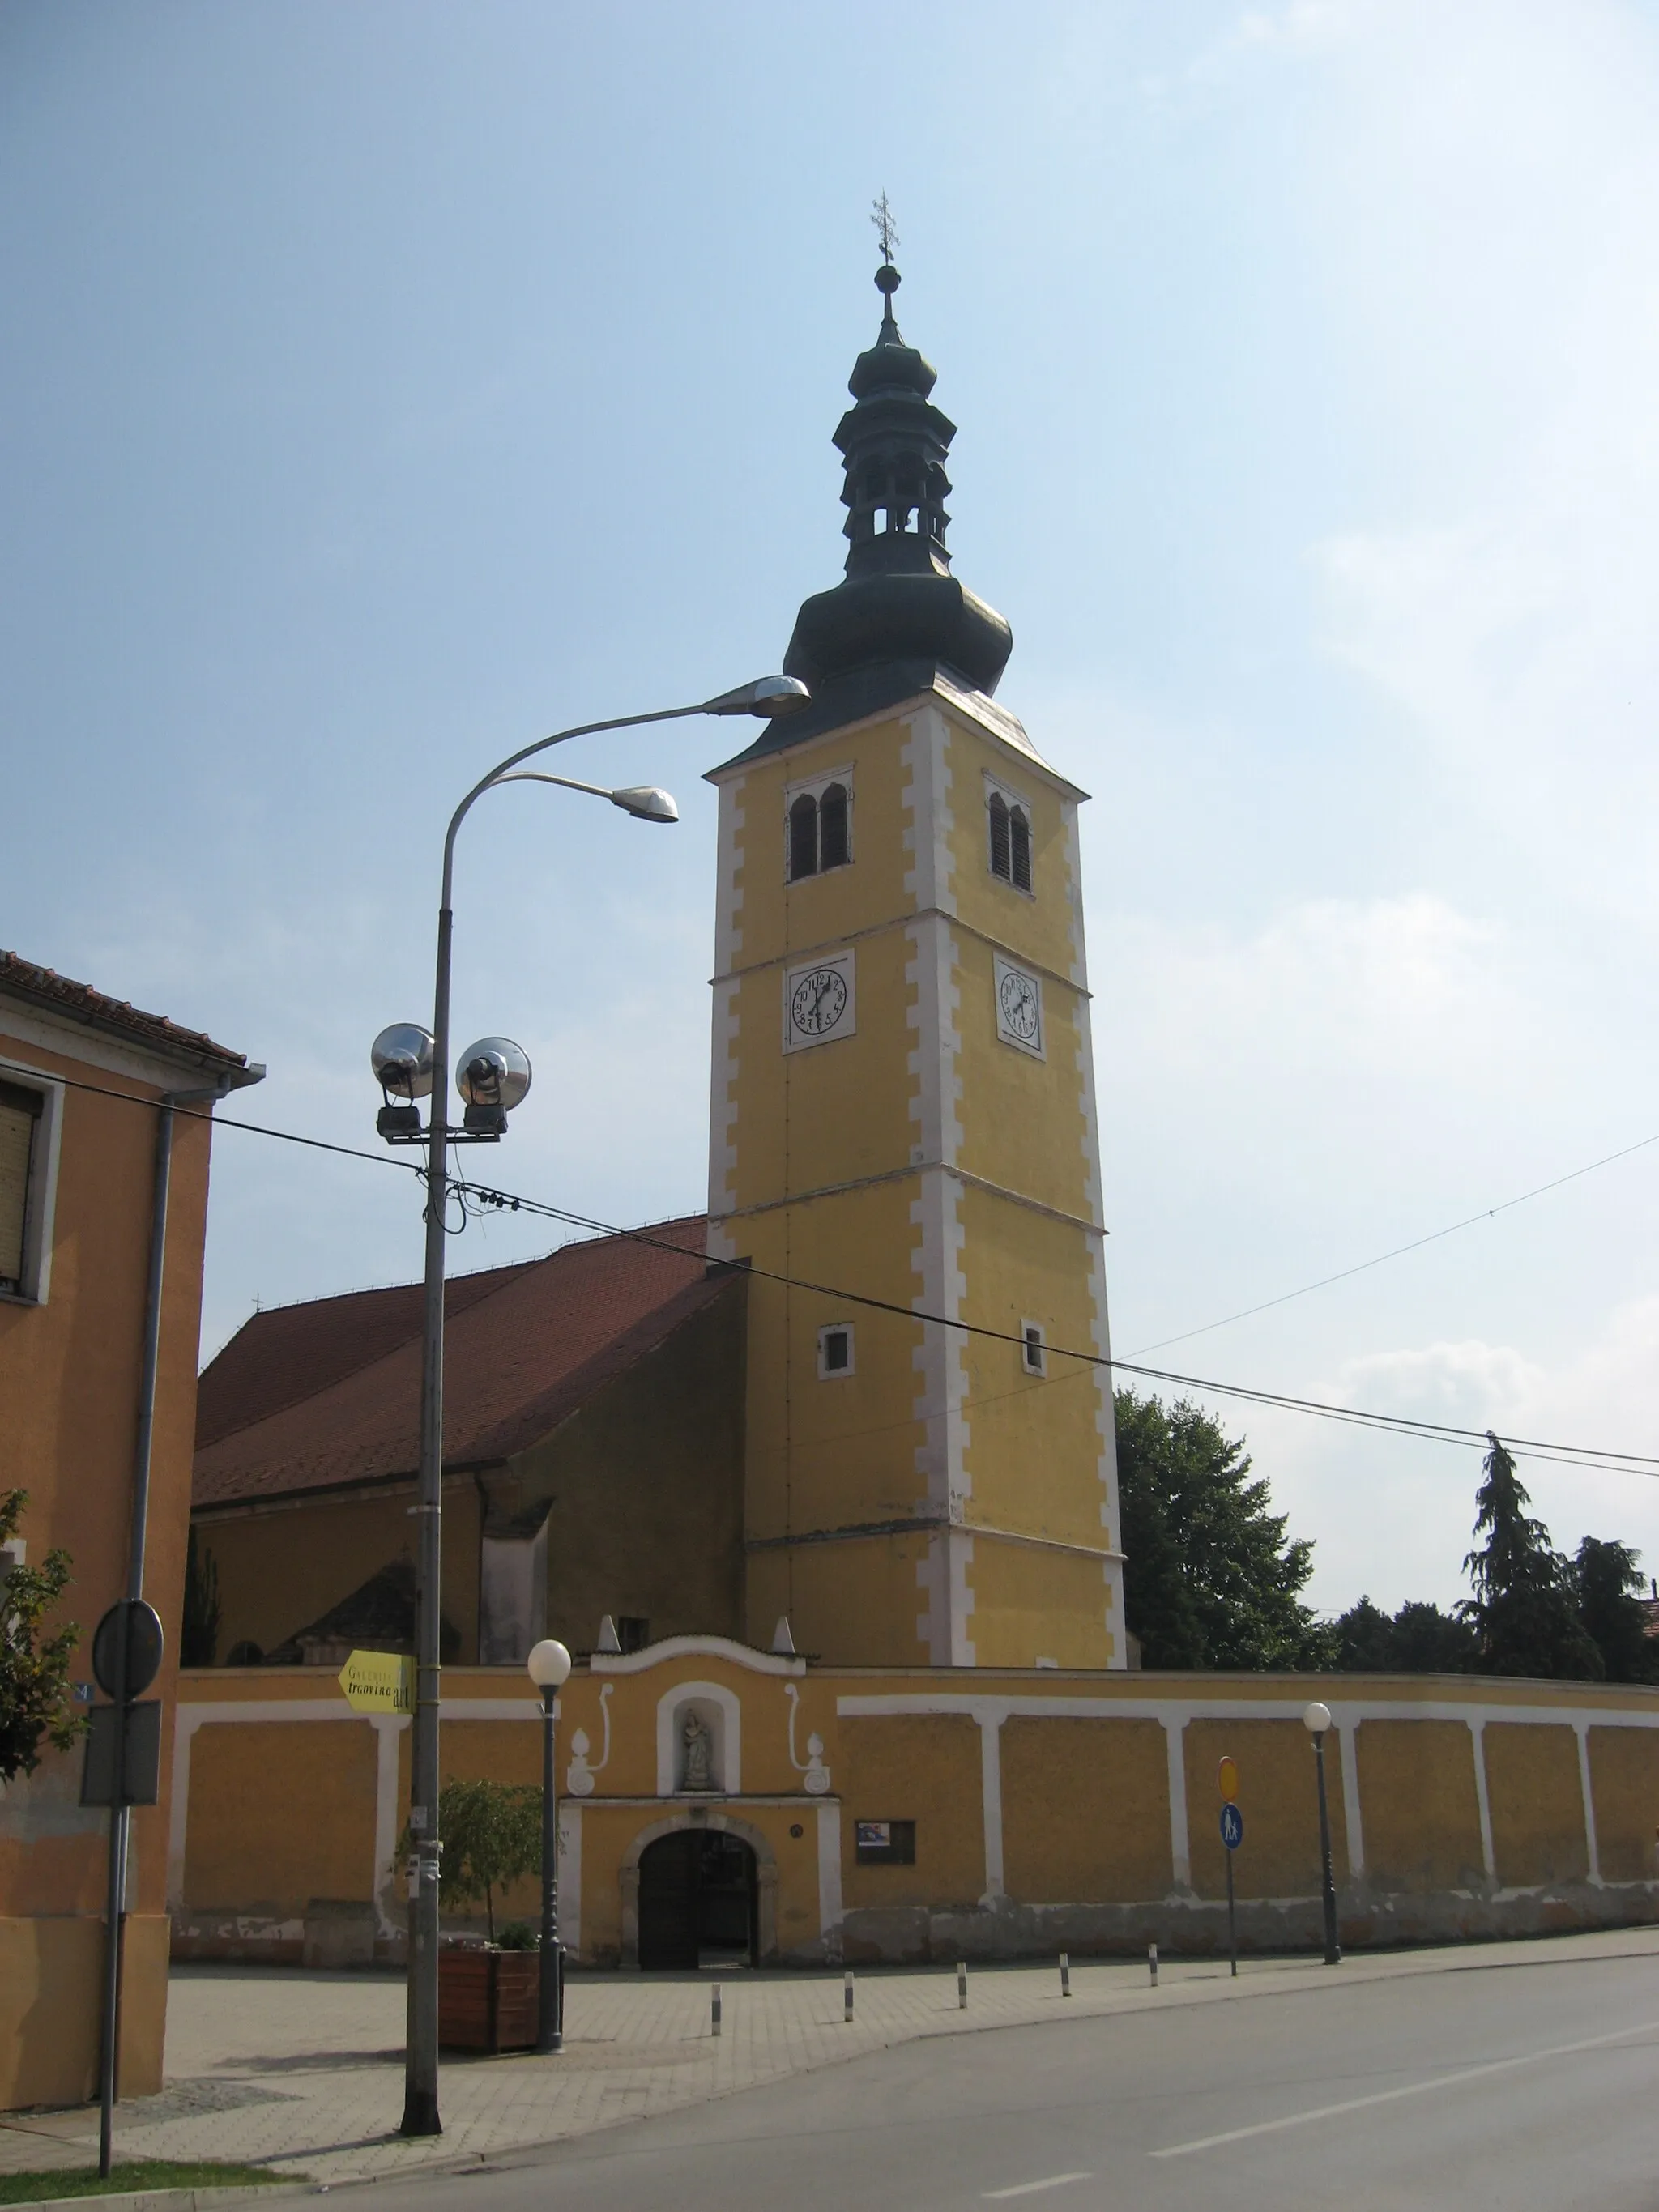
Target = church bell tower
(904,1107)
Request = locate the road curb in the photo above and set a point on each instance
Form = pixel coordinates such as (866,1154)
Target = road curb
(178,2200)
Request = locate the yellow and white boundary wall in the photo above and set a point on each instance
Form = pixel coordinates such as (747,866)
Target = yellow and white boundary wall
(1052,1809)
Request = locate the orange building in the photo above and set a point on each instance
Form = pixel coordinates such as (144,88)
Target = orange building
(87,1144)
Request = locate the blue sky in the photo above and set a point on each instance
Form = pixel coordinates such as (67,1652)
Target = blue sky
(391,384)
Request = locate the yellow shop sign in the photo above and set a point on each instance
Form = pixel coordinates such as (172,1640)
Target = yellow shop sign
(379,1682)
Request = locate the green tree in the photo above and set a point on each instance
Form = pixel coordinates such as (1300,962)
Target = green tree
(1608,1582)
(198,1629)
(1209,1579)
(35,1706)
(1419,1639)
(1525,1608)
(492,1837)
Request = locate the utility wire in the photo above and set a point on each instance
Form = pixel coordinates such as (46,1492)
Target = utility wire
(1586,1456)
(1486,1214)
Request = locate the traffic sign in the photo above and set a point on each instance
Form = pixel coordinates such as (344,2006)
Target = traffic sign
(1232,1826)
(1229,1779)
(144,1640)
(379,1682)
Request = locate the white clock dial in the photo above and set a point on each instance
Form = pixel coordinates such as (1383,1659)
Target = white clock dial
(818,1001)
(1020,1010)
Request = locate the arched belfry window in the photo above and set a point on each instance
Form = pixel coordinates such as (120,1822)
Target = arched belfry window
(1019,841)
(803,837)
(819,824)
(832,827)
(1009,823)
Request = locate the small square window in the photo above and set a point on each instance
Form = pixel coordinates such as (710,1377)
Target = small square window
(835,1350)
(884,1843)
(1034,1350)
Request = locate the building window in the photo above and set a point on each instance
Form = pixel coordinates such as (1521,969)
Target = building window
(1033,1348)
(633,1630)
(884,1843)
(819,825)
(1011,841)
(28,1120)
(835,1350)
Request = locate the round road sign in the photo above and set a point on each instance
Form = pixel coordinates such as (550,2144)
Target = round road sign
(143,1654)
(1232,1826)
(1229,1780)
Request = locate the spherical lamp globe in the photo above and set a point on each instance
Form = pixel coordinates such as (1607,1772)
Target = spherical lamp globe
(548,1663)
(1316,1718)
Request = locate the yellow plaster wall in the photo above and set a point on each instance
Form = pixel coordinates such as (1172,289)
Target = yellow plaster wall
(279,1814)
(924,1769)
(1023,1125)
(849,1603)
(1624,1793)
(1112,1780)
(1277,1795)
(52,1971)
(1418,1805)
(1537,1803)
(1031,1602)
(1039,927)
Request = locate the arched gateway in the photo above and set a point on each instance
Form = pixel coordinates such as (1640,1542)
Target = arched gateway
(699,1889)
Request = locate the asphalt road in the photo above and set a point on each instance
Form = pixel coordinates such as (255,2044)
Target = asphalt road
(1531,2088)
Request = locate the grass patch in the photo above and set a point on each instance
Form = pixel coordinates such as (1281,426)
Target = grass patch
(42,2184)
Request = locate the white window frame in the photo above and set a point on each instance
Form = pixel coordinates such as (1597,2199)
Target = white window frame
(1027,1329)
(1010,798)
(42,1206)
(826,1373)
(814,787)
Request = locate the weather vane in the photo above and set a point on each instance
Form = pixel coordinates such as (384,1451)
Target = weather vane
(886,228)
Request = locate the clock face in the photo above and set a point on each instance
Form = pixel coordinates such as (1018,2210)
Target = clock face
(818,1001)
(1020,1011)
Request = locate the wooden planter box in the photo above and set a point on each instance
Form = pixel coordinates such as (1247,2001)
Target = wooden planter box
(488,2000)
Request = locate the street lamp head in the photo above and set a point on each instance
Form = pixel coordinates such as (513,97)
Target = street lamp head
(401,1057)
(1317,1718)
(549,1664)
(646,803)
(767,696)
(494,1071)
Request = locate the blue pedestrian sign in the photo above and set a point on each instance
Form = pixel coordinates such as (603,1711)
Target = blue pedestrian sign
(1232,1826)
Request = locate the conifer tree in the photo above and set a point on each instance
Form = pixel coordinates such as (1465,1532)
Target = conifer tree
(1607,1584)
(1525,1608)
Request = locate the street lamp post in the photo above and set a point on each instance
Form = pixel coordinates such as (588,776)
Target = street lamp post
(411,1063)
(550,1670)
(1316,1719)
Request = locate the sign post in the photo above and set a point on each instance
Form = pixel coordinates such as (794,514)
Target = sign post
(1233,1835)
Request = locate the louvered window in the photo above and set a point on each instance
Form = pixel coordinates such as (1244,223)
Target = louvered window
(999,862)
(1010,826)
(20,1123)
(804,837)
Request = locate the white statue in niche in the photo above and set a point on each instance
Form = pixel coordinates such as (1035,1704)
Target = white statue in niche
(699,1742)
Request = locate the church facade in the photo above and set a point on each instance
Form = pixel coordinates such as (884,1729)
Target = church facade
(897,1435)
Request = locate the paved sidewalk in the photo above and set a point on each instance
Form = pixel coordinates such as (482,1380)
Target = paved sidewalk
(303,2072)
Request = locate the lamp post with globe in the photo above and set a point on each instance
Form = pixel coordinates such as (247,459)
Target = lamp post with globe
(550,1670)
(411,1063)
(1316,1719)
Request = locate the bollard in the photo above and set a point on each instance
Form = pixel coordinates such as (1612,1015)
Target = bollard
(847,2015)
(962,1985)
(715,2012)
(1152,1962)
(1065,1973)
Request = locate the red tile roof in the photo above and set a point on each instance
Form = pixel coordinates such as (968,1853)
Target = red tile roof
(44,987)
(312,1396)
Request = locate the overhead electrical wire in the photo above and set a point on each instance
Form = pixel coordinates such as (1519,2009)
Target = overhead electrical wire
(1486,1214)
(1591,1458)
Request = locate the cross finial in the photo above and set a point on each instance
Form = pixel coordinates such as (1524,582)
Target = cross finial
(886,228)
